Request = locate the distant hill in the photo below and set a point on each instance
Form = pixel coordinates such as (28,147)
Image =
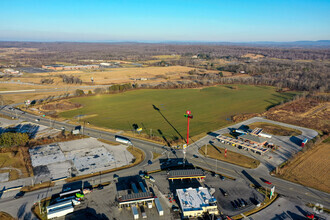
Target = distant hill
(292,44)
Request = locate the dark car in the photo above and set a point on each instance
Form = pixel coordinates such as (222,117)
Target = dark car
(175,208)
(234,205)
(222,177)
(223,192)
(19,195)
(237,203)
(240,201)
(195,156)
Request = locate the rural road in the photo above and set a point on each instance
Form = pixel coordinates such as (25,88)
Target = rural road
(285,188)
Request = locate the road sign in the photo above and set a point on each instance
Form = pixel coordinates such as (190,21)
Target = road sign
(139,129)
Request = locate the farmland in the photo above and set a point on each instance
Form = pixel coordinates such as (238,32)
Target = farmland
(310,168)
(160,112)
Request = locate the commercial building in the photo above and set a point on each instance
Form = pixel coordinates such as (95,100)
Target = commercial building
(186,174)
(242,144)
(62,67)
(253,139)
(195,202)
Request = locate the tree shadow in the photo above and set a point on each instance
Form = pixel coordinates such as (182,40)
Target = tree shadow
(157,109)
(21,210)
(86,214)
(165,139)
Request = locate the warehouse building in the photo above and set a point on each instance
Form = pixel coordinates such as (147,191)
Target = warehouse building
(194,202)
(62,67)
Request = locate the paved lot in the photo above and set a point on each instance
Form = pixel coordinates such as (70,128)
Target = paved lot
(77,157)
(283,208)
(236,190)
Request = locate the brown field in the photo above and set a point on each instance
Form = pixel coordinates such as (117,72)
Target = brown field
(116,75)
(275,129)
(305,112)
(232,157)
(311,168)
(14,86)
(19,98)
(253,56)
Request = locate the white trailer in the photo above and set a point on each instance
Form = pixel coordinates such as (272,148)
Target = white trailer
(159,207)
(58,205)
(135,212)
(123,140)
(62,211)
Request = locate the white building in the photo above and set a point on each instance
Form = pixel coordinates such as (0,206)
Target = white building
(195,201)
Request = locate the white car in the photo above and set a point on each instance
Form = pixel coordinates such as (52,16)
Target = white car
(37,120)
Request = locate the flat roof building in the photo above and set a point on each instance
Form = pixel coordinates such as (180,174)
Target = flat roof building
(186,174)
(253,139)
(195,202)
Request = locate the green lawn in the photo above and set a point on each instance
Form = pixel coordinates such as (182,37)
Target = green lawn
(211,107)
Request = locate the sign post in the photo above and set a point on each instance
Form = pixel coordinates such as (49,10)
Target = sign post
(188,116)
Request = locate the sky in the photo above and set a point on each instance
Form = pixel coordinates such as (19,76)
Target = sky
(170,20)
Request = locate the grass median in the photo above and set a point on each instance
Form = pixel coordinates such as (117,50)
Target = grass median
(232,157)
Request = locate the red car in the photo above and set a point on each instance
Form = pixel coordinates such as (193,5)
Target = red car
(267,182)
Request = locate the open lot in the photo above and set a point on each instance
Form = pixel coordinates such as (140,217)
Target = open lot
(114,75)
(311,168)
(160,112)
(78,157)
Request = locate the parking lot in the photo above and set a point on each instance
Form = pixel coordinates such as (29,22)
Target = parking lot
(238,190)
(77,157)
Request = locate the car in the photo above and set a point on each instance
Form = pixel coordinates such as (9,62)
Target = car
(152,179)
(195,156)
(223,192)
(240,201)
(19,195)
(37,120)
(237,203)
(99,187)
(267,182)
(234,205)
(222,177)
(62,128)
(175,208)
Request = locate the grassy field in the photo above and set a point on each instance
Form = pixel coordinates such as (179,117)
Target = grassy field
(212,108)
(232,157)
(275,129)
(311,168)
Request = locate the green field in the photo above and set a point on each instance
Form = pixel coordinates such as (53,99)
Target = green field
(211,107)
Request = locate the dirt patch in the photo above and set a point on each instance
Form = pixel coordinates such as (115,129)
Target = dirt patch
(275,129)
(310,168)
(305,112)
(60,106)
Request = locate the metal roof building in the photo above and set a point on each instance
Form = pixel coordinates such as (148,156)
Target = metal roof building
(195,201)
(186,174)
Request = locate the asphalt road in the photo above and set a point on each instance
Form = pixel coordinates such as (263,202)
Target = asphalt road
(286,188)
